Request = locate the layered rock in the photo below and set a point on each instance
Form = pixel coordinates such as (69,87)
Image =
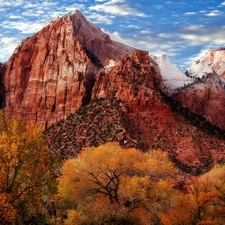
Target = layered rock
(51,74)
(212,61)
(134,80)
(206,96)
(2,89)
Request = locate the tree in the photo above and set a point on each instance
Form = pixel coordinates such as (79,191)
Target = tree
(217,177)
(111,184)
(194,207)
(25,164)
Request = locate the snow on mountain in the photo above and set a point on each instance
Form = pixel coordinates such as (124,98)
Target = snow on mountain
(172,76)
(212,61)
(116,37)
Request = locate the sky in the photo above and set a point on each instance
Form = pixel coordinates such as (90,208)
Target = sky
(183,30)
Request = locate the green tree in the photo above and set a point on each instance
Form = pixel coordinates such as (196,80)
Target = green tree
(25,173)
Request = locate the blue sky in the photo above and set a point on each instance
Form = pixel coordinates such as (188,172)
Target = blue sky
(184,30)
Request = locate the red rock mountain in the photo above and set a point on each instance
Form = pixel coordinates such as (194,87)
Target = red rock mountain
(143,118)
(71,65)
(52,73)
(206,96)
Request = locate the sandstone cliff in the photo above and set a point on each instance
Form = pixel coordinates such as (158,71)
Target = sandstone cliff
(206,96)
(134,80)
(2,89)
(212,62)
(51,74)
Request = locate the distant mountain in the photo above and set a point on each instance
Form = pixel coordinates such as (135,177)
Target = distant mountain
(173,77)
(212,61)
(206,96)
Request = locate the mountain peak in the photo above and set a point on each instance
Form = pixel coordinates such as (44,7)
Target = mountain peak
(172,76)
(65,57)
(212,61)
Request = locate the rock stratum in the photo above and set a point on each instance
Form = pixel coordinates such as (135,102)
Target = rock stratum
(206,96)
(2,89)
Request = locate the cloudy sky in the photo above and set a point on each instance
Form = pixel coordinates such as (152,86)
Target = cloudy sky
(184,30)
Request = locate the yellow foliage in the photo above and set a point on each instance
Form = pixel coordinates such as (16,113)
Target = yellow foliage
(24,164)
(75,217)
(127,181)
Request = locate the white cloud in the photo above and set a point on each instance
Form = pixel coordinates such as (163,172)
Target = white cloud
(134,27)
(15,17)
(189,13)
(155,44)
(200,35)
(163,35)
(25,27)
(10,3)
(214,13)
(158,6)
(7,46)
(222,4)
(116,7)
(103,19)
(146,32)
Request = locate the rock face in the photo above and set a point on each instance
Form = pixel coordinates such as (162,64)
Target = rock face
(212,61)
(206,96)
(133,80)
(51,74)
(2,89)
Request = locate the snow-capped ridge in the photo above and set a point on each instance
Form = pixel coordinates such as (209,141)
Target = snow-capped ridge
(212,61)
(116,37)
(172,76)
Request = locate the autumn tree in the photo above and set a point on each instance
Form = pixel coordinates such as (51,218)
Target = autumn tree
(198,204)
(25,172)
(111,185)
(217,178)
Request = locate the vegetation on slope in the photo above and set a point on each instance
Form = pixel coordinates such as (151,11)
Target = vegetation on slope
(192,143)
(97,123)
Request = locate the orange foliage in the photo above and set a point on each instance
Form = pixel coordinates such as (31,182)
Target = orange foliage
(24,166)
(109,183)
